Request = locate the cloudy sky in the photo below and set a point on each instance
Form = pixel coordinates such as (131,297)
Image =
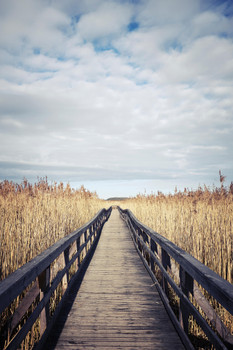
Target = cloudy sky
(122,96)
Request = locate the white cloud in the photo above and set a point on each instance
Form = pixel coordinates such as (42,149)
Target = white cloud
(91,94)
(31,24)
(210,23)
(109,19)
(167,11)
(11,122)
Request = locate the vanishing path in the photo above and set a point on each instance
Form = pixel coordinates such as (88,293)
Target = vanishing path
(117,306)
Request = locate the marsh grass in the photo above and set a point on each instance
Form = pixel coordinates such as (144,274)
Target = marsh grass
(201,223)
(32,218)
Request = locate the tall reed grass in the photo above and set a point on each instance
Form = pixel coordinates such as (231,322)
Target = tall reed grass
(201,223)
(33,217)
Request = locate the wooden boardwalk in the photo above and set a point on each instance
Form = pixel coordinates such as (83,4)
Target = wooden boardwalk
(117,306)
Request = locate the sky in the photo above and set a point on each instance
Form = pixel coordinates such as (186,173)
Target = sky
(123,97)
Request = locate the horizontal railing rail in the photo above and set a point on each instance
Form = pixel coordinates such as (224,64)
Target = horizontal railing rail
(172,268)
(31,289)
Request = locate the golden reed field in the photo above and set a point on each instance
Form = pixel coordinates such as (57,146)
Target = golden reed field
(34,216)
(200,222)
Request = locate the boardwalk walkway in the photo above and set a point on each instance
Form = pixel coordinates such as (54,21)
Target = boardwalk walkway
(117,306)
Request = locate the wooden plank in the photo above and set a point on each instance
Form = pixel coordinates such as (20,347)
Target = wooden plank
(24,305)
(184,300)
(117,305)
(68,292)
(186,284)
(43,303)
(18,281)
(44,282)
(219,288)
(215,320)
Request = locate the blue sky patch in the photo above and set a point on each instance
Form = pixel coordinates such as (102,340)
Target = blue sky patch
(174,45)
(133,26)
(76,18)
(100,47)
(36,51)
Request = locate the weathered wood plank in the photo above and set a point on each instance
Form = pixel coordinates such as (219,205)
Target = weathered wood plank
(186,277)
(219,288)
(24,305)
(207,308)
(18,281)
(117,306)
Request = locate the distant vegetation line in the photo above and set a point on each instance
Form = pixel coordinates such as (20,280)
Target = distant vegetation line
(117,199)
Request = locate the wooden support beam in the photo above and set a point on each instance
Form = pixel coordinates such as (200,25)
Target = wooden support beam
(44,283)
(166,263)
(78,247)
(24,305)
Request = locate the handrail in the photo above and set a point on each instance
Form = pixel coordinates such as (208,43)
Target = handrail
(156,250)
(59,264)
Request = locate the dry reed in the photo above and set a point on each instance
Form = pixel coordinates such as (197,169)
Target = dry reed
(200,222)
(33,217)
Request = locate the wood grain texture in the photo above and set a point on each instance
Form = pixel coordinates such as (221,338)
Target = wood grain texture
(117,305)
(19,280)
(219,288)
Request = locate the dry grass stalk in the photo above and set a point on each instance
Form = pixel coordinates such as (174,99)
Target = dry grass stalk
(33,217)
(199,222)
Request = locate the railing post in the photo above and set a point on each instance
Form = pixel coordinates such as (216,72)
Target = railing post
(67,259)
(145,253)
(166,263)
(95,229)
(138,242)
(44,282)
(132,227)
(186,284)
(78,247)
(85,241)
(91,234)
(98,226)
(154,249)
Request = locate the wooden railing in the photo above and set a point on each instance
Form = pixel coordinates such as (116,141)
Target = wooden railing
(29,293)
(174,270)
